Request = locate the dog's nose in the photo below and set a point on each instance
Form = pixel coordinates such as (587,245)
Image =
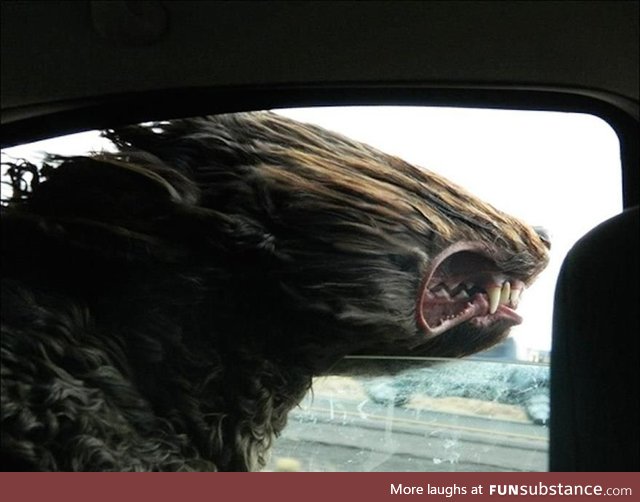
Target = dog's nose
(543,233)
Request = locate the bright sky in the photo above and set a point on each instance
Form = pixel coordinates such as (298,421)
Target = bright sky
(558,170)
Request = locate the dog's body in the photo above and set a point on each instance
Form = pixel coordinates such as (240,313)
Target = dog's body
(165,307)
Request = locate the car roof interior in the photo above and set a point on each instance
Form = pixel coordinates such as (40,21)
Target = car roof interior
(72,66)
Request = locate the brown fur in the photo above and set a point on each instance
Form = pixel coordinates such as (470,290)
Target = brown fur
(165,307)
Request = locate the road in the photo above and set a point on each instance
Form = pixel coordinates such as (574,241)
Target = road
(341,434)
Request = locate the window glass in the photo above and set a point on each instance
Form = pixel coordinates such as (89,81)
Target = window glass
(464,415)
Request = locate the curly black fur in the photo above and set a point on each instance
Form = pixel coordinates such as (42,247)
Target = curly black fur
(164,308)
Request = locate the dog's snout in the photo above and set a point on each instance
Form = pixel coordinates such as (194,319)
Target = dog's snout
(544,235)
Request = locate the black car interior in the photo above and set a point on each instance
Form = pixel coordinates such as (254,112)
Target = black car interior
(595,356)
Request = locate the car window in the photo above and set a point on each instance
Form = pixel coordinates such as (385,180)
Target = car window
(435,415)
(557,170)
(560,171)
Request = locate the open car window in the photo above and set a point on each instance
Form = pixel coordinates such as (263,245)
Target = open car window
(560,171)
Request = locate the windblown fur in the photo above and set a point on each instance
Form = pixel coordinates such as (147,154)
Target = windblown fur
(163,308)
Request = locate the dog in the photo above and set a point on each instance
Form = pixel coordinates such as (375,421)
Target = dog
(165,306)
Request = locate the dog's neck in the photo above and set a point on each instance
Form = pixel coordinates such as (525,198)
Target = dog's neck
(230,401)
(161,364)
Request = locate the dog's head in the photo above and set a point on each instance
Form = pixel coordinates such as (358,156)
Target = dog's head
(311,245)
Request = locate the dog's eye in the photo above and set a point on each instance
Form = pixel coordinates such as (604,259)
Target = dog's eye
(404,262)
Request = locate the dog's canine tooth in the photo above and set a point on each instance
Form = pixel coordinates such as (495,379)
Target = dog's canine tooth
(493,292)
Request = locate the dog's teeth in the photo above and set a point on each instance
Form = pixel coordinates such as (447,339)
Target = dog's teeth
(515,297)
(505,293)
(461,295)
(493,292)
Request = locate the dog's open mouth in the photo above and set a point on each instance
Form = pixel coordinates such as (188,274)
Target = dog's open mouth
(464,283)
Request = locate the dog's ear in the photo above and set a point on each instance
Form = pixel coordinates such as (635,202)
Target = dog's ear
(114,205)
(132,208)
(114,187)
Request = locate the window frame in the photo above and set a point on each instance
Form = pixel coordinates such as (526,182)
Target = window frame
(33,123)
